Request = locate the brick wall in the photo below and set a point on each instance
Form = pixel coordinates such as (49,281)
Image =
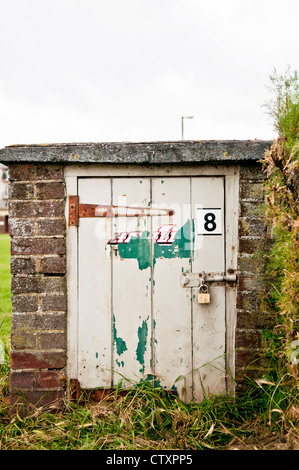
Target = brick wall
(253,312)
(38,333)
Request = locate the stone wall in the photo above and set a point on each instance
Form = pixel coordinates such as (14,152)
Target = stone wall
(38,336)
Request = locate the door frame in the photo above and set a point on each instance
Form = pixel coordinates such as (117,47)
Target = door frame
(230,173)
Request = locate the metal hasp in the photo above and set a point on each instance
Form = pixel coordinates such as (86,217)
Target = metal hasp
(77,210)
(195,279)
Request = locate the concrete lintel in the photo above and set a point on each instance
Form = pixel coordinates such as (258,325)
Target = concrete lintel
(203,151)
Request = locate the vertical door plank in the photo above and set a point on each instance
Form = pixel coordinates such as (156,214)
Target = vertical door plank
(72,292)
(132,322)
(232,220)
(208,319)
(94,320)
(172,303)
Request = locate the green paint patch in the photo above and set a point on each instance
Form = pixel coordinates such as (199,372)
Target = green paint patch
(141,347)
(121,346)
(180,248)
(139,248)
(119,363)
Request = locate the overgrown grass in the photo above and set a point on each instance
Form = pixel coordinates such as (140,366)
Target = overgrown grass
(281,164)
(148,418)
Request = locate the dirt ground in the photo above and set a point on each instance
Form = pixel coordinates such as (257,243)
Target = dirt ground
(262,439)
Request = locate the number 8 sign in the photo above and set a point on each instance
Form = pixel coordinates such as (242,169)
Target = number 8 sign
(209,221)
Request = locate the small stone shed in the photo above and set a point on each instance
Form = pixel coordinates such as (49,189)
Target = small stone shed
(55,267)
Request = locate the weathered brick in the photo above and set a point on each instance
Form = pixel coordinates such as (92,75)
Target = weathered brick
(54,284)
(48,227)
(23,339)
(253,283)
(25,209)
(50,379)
(24,303)
(53,265)
(21,191)
(252,227)
(38,322)
(22,227)
(22,171)
(54,303)
(49,172)
(36,246)
(51,190)
(21,402)
(23,265)
(249,209)
(30,171)
(252,190)
(248,301)
(26,285)
(251,264)
(249,339)
(251,245)
(250,358)
(52,340)
(38,359)
(251,171)
(256,319)
(23,379)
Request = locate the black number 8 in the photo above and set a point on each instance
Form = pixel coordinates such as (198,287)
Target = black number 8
(210,224)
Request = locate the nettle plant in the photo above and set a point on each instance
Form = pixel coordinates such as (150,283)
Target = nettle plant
(281,164)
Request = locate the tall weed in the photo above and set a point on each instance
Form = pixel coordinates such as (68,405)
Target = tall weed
(281,164)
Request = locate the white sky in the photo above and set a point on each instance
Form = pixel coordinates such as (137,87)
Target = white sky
(127,70)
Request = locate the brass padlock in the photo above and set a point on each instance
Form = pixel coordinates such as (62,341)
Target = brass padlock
(204,294)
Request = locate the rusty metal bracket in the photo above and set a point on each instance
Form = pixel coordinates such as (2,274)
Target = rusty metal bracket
(77,211)
(74,211)
(82,395)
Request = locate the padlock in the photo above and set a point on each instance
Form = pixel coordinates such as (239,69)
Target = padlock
(204,294)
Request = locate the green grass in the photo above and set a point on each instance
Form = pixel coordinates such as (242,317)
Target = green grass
(148,418)
(5,294)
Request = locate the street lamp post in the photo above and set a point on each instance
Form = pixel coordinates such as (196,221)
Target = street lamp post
(185,117)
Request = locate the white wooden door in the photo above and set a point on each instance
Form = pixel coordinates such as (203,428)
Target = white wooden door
(135,319)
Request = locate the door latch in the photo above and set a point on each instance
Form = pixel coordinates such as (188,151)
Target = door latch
(195,279)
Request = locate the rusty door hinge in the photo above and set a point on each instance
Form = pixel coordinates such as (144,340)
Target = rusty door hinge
(74,210)
(77,210)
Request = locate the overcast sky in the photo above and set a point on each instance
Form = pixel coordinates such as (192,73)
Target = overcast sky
(128,70)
